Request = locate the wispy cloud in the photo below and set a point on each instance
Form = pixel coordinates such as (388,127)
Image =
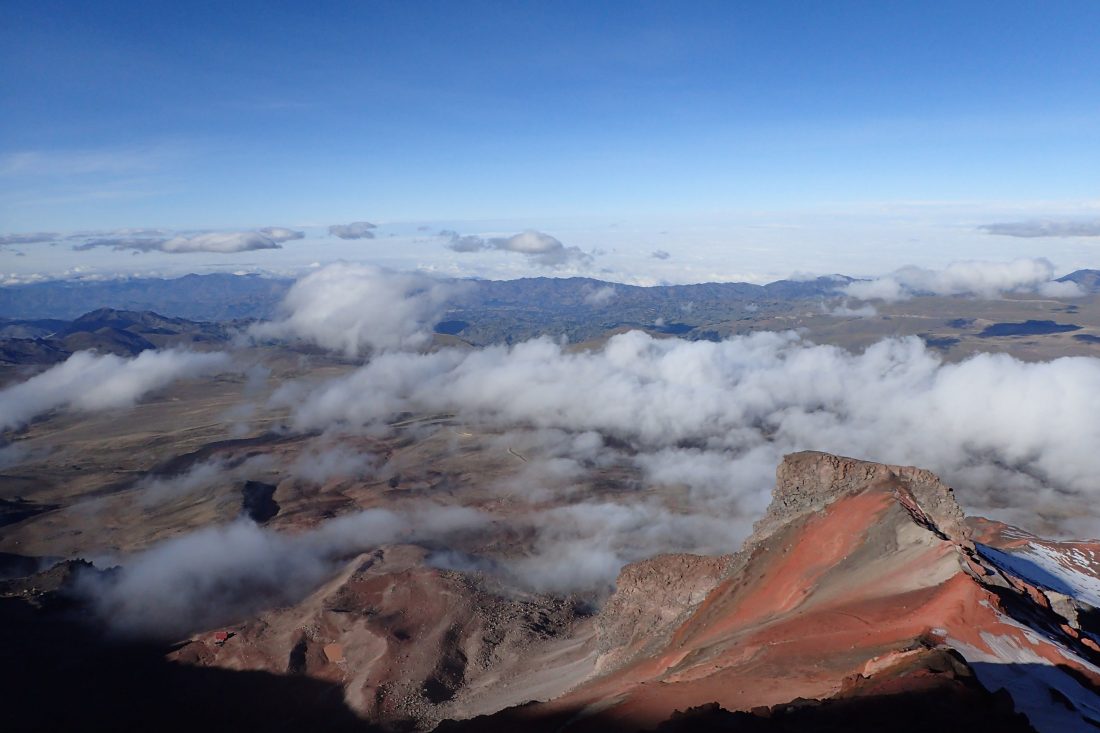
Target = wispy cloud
(221,242)
(32,238)
(1046,228)
(88,382)
(65,163)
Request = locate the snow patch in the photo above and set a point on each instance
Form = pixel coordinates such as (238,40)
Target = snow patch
(1069,571)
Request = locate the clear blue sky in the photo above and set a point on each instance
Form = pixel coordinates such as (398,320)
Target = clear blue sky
(248,114)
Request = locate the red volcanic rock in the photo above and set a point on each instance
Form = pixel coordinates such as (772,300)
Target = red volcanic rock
(861,587)
(651,597)
(861,602)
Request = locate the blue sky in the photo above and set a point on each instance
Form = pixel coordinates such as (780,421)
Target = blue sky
(884,123)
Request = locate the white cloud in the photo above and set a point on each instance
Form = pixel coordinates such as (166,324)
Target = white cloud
(219,242)
(982,279)
(88,382)
(354,230)
(231,241)
(600,296)
(31,238)
(358,308)
(1065,289)
(1001,429)
(219,574)
(1046,228)
(846,310)
(536,246)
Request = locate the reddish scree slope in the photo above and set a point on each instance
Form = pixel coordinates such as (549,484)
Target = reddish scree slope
(862,583)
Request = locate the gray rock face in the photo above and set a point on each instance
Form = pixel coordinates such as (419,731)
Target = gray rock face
(809,481)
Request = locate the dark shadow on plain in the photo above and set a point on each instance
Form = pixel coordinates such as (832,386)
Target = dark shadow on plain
(61,674)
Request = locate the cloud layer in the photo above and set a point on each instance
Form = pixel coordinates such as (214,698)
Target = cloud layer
(1008,433)
(536,246)
(622,452)
(982,279)
(88,382)
(1046,228)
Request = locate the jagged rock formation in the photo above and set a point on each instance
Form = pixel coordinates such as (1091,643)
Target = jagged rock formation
(862,587)
(411,644)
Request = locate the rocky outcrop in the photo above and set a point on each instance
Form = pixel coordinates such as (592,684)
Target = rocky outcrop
(808,482)
(410,644)
(651,598)
(860,592)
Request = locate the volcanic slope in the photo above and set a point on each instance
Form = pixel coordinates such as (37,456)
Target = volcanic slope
(860,601)
(863,601)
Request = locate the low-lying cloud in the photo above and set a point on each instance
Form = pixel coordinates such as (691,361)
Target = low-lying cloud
(218,242)
(354,309)
(354,230)
(536,246)
(89,382)
(642,446)
(981,279)
(1004,431)
(1046,228)
(224,573)
(600,296)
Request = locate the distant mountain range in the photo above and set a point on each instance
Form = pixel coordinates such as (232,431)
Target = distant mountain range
(125,333)
(490,311)
(1087,279)
(214,297)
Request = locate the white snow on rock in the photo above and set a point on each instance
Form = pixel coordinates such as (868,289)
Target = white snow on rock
(1069,570)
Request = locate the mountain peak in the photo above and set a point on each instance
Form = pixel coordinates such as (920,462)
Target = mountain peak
(809,481)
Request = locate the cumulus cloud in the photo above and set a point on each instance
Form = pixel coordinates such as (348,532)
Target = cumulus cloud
(354,309)
(536,246)
(88,382)
(982,279)
(660,254)
(354,230)
(1046,228)
(224,573)
(220,242)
